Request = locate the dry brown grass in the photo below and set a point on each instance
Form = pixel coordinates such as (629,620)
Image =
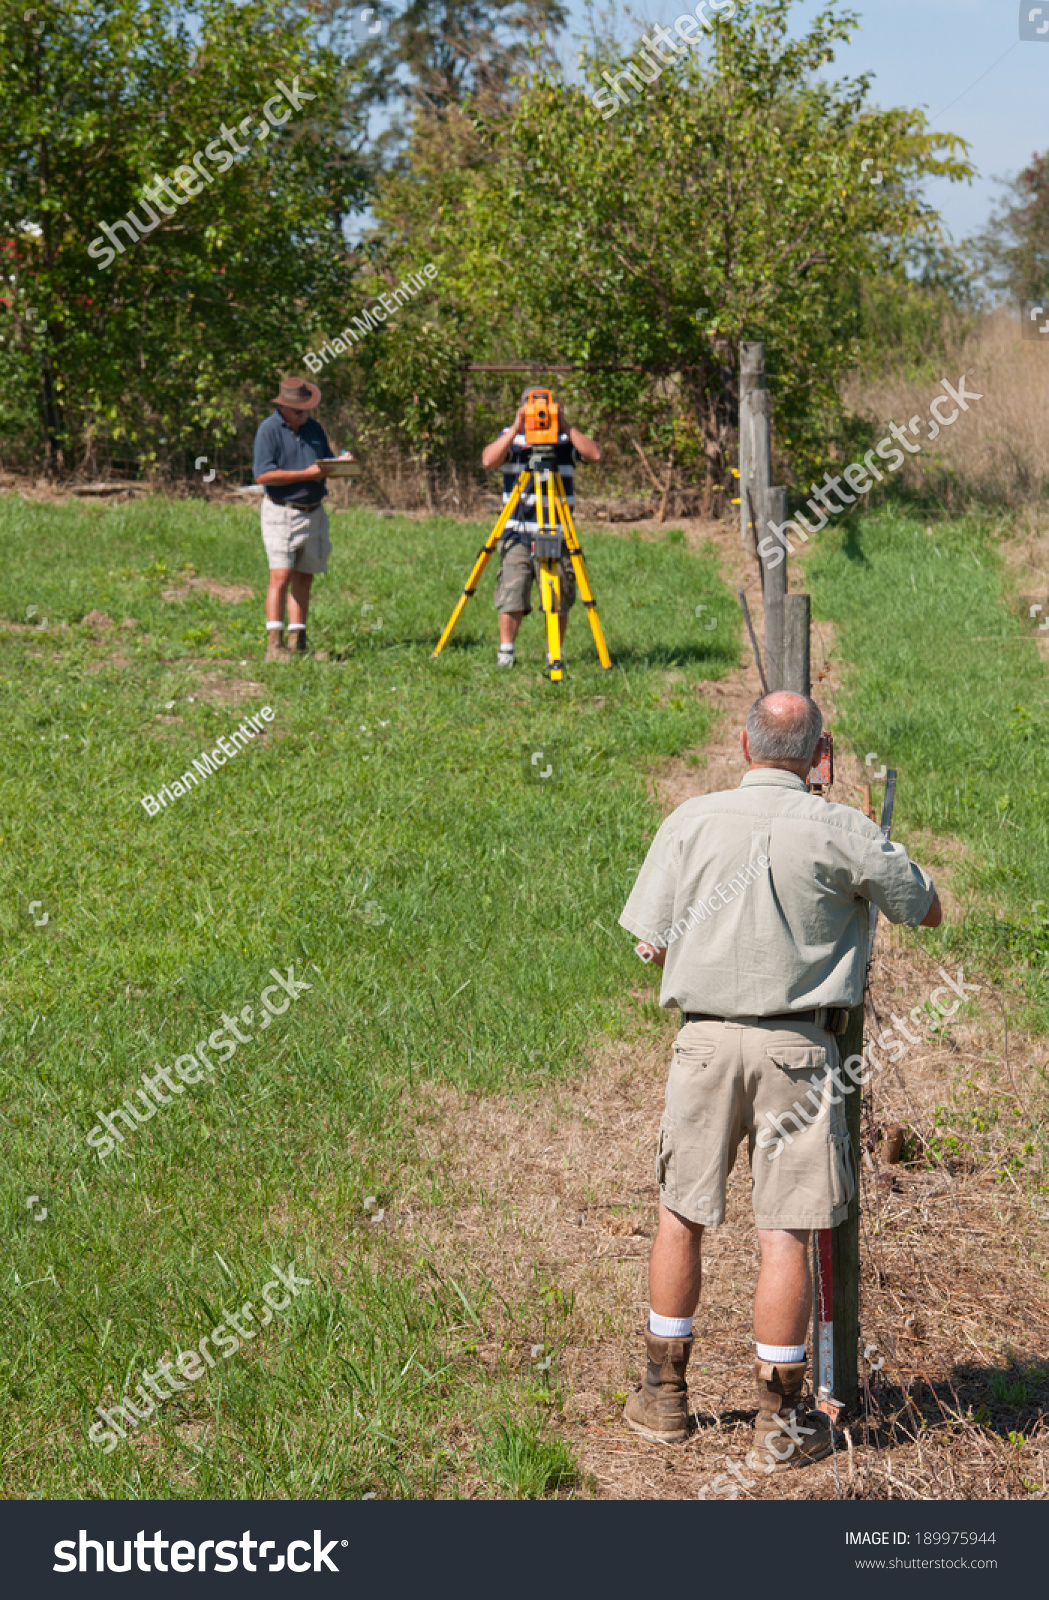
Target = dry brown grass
(998,453)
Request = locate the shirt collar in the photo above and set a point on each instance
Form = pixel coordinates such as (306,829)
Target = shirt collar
(776,776)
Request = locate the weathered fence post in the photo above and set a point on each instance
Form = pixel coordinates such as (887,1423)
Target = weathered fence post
(755,454)
(772,507)
(845,1247)
(796,624)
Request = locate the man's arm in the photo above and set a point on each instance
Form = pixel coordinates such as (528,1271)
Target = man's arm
(588,451)
(494,454)
(648,952)
(278,475)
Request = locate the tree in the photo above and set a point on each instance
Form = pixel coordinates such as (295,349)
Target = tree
(732,199)
(131,342)
(1013,250)
(438,54)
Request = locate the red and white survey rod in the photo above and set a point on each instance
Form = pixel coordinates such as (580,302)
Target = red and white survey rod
(824,1318)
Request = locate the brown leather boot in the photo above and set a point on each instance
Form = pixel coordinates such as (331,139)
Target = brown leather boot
(275,649)
(297,645)
(659,1409)
(787,1432)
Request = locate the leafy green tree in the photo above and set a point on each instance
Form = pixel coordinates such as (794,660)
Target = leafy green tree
(161,344)
(1013,250)
(729,200)
(437,54)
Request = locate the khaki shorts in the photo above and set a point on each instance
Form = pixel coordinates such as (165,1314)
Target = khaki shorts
(513,587)
(295,537)
(773,1084)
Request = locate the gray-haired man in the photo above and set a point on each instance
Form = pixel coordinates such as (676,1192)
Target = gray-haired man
(754,903)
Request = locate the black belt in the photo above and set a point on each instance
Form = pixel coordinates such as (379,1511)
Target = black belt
(834,1014)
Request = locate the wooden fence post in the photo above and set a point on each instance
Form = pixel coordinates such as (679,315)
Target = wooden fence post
(845,1245)
(755,471)
(772,507)
(796,623)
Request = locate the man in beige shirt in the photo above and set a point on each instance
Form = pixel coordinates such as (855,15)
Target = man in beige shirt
(754,902)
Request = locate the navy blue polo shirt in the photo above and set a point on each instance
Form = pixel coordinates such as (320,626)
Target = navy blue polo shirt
(278,448)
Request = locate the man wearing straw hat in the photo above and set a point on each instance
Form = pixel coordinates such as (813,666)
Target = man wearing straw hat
(289,447)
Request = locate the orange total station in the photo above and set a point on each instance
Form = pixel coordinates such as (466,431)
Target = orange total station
(542,419)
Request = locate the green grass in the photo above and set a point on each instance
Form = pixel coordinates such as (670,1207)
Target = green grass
(455,915)
(944,682)
(527,1466)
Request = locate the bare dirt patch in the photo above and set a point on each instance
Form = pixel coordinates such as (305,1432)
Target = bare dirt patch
(216,689)
(231,593)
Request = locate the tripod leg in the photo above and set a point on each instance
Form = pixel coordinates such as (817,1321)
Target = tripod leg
(550,598)
(482,560)
(575,551)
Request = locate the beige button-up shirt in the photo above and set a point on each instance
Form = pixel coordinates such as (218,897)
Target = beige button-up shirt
(760,896)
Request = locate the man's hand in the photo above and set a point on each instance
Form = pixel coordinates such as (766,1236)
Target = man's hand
(934,916)
(648,952)
(495,454)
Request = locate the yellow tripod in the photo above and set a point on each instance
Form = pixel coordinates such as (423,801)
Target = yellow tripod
(554,534)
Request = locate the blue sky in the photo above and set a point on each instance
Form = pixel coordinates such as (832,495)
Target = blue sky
(943,55)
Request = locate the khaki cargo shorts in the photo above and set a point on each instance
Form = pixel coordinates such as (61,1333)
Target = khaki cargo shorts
(295,537)
(773,1084)
(513,587)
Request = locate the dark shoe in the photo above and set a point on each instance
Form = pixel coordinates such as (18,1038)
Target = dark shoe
(275,650)
(787,1432)
(297,643)
(659,1409)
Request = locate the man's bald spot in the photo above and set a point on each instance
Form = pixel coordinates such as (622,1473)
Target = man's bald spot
(783,729)
(787,707)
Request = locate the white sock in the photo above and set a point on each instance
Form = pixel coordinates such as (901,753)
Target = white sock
(669,1327)
(786,1353)
(507,649)
(274,625)
(295,627)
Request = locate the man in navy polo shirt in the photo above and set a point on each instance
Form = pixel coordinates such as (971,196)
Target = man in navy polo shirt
(518,569)
(294,522)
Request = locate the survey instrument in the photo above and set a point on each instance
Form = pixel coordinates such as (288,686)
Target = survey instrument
(553,538)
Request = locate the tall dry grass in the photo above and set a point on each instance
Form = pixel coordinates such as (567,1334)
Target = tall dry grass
(995,454)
